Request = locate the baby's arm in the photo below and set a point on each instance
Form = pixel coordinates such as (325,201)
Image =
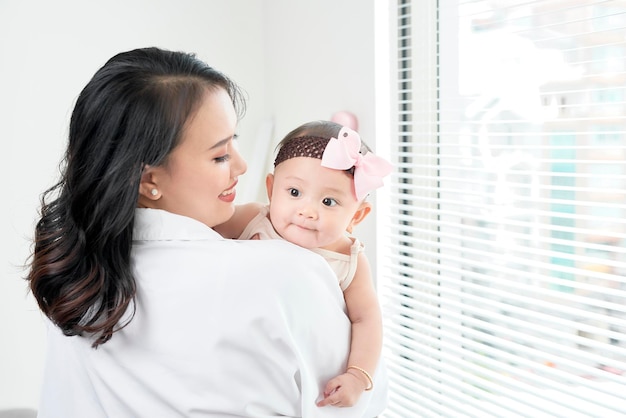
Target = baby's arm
(233,227)
(366,345)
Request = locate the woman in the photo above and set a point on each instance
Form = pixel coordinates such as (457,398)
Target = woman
(155,314)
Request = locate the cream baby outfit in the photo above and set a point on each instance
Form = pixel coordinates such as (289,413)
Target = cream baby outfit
(343,265)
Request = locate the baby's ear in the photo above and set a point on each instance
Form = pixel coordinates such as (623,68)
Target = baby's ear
(269,183)
(359,215)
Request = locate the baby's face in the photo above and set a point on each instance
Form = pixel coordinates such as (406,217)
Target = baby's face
(310,205)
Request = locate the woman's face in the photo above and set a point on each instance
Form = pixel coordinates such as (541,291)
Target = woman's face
(199,178)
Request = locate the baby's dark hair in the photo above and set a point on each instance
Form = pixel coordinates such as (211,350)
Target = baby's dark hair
(310,140)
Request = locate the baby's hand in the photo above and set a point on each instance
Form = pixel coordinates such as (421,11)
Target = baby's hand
(343,390)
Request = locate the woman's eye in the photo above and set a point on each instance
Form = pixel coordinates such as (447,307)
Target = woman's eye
(329,201)
(294,192)
(222,159)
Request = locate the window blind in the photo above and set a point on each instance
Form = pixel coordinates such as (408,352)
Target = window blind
(503,247)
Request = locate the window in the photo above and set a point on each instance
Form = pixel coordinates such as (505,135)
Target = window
(503,266)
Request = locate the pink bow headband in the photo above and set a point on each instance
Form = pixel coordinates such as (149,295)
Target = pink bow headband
(343,153)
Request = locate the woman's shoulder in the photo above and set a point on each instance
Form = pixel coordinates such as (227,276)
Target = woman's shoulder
(277,251)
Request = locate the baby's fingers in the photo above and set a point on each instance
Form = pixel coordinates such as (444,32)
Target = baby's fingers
(343,390)
(332,386)
(333,399)
(330,390)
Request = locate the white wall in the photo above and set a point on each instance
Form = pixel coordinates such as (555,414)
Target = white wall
(297,60)
(320,59)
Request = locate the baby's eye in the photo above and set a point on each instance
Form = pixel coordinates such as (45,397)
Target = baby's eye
(294,192)
(329,201)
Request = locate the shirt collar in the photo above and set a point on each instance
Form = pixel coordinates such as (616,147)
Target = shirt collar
(161,225)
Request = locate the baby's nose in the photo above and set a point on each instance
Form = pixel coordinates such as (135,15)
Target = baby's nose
(308,211)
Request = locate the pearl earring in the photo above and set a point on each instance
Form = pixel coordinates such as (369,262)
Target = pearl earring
(154,192)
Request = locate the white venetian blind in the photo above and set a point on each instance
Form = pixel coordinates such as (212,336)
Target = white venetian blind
(503,283)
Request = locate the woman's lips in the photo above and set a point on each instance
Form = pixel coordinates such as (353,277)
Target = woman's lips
(229,194)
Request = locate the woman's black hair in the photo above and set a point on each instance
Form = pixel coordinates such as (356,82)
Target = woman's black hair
(131,113)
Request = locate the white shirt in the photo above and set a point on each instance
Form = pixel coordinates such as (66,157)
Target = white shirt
(222,329)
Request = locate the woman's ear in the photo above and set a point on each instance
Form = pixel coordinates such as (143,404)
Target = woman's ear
(364,209)
(148,189)
(269,184)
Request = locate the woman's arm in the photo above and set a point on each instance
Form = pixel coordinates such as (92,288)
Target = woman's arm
(366,345)
(233,228)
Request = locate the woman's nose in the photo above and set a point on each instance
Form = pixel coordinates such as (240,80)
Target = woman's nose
(238,165)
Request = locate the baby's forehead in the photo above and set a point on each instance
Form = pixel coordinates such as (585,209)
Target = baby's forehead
(304,167)
(310,172)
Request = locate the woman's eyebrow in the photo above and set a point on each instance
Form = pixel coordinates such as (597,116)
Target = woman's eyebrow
(221,143)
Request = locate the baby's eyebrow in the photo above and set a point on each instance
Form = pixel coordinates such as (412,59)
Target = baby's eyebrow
(292,177)
(334,190)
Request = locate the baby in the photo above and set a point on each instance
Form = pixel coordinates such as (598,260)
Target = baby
(322,175)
